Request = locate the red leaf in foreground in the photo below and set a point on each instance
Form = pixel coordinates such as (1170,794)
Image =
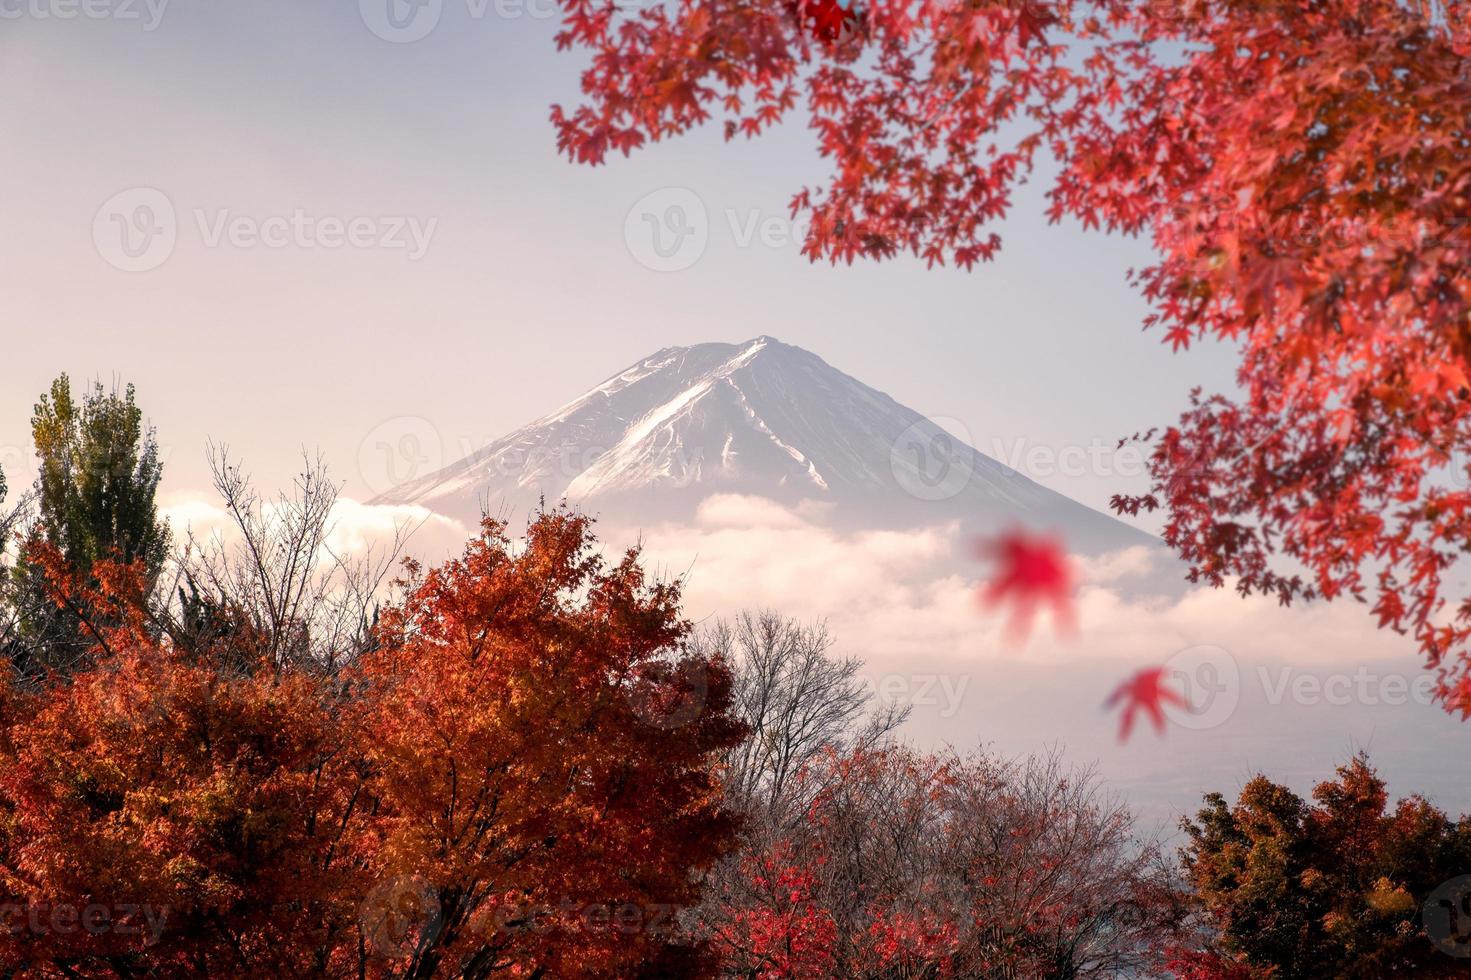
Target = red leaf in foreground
(1031,571)
(829,20)
(1146,691)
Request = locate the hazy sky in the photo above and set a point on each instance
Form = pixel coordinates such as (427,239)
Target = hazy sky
(530,288)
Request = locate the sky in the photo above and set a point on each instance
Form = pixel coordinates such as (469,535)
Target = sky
(298,227)
(528,291)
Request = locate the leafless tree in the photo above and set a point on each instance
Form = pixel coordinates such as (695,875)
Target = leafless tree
(1050,858)
(1031,864)
(276,574)
(798,697)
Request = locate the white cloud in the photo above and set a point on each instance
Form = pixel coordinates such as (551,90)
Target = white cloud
(354,527)
(358,526)
(892,595)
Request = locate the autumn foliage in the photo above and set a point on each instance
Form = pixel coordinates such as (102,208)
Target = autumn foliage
(498,788)
(1301,169)
(185,807)
(536,764)
(905,864)
(1335,886)
(536,769)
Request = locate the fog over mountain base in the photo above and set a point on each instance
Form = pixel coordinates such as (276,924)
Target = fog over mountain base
(1289,691)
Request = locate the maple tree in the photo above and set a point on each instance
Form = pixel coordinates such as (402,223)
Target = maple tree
(160,815)
(1302,171)
(540,770)
(518,777)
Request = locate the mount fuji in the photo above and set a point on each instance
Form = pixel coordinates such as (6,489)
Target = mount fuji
(761,418)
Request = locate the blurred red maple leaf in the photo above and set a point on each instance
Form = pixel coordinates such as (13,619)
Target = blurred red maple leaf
(1030,571)
(1145,691)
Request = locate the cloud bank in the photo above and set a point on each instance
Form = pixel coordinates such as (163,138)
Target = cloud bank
(899,595)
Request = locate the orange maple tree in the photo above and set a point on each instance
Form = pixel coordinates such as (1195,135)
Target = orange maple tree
(1349,883)
(1302,170)
(546,759)
(161,816)
(520,778)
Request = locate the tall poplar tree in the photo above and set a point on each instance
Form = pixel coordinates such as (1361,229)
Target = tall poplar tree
(99,472)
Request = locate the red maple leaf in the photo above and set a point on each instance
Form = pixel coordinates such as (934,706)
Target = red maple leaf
(1031,21)
(1031,571)
(1146,690)
(829,20)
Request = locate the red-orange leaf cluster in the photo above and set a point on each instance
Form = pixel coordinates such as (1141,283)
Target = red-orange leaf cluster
(905,865)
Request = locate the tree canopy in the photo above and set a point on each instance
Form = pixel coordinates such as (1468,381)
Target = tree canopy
(1331,887)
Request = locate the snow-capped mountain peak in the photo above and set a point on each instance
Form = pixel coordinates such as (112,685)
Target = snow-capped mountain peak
(761,417)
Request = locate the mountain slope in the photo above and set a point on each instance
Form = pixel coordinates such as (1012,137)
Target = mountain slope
(762,418)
